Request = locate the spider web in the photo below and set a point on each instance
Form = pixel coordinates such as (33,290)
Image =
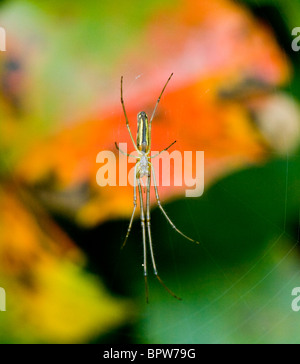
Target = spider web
(232,314)
(251,303)
(280,297)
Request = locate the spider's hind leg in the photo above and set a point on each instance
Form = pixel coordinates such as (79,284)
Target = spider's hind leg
(164,212)
(134,207)
(144,239)
(148,218)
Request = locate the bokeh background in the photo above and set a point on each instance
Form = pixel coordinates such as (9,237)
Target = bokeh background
(235,95)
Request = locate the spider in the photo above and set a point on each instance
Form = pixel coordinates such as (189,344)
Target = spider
(144,168)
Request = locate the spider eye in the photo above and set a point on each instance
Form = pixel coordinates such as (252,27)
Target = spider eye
(142,115)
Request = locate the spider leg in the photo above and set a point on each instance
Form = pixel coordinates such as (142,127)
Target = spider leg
(127,122)
(142,183)
(134,207)
(164,212)
(159,97)
(121,151)
(157,102)
(144,239)
(148,217)
(155,155)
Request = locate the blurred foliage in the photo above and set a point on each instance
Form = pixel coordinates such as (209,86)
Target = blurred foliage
(234,97)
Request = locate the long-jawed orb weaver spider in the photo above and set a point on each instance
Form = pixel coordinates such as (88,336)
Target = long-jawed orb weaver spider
(143,168)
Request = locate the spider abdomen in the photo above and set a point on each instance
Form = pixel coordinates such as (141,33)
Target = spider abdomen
(143,136)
